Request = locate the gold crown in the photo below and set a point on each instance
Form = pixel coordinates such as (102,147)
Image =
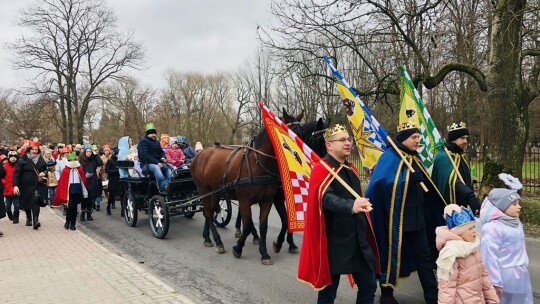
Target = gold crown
(334,130)
(456,126)
(406,126)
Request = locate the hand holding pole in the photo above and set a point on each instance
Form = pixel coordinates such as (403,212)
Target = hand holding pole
(342,182)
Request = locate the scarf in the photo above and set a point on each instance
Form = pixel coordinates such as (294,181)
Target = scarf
(509,220)
(451,251)
(33,157)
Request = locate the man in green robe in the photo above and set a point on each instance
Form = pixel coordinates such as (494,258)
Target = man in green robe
(455,186)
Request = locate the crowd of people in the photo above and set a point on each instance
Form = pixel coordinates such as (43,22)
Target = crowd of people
(412,220)
(408,220)
(78,176)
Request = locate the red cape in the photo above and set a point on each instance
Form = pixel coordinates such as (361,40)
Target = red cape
(313,266)
(61,196)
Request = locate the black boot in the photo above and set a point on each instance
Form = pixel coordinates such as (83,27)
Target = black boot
(98,207)
(89,216)
(28,222)
(66,225)
(10,215)
(114,205)
(16,217)
(82,216)
(72,226)
(36,223)
(108,209)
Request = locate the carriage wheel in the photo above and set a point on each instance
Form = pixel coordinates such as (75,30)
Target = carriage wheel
(130,209)
(223,212)
(190,214)
(158,216)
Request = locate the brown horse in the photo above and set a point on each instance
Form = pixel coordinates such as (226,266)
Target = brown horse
(248,174)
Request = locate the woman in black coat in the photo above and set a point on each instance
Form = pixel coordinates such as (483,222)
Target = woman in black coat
(90,163)
(115,188)
(25,183)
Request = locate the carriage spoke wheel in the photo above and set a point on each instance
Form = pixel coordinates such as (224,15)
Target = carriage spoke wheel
(130,209)
(223,212)
(158,215)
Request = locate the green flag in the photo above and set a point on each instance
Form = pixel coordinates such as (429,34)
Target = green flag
(412,109)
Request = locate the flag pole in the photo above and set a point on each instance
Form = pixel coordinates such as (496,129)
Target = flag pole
(405,161)
(454,165)
(342,182)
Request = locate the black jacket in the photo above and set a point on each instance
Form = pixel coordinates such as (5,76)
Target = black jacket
(345,231)
(25,178)
(150,151)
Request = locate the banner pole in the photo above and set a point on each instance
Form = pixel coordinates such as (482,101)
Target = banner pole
(405,161)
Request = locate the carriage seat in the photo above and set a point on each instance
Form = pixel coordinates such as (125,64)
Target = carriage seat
(129,164)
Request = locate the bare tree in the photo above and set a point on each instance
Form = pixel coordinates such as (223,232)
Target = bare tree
(75,47)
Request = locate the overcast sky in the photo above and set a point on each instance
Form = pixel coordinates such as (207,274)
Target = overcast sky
(185,35)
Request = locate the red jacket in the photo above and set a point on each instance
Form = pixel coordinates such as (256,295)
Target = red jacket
(8,180)
(175,156)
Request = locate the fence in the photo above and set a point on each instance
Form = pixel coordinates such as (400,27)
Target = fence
(475,155)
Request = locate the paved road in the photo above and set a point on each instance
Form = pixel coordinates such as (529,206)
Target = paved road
(207,277)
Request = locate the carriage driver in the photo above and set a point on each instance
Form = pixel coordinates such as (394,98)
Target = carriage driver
(152,157)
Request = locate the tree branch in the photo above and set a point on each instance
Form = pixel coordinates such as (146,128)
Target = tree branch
(431,82)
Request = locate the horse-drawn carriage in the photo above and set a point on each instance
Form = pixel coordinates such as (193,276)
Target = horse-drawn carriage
(180,198)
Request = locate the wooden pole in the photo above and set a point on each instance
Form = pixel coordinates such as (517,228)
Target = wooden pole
(405,161)
(342,182)
(454,165)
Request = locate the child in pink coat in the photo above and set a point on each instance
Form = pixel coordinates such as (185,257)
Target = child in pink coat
(462,276)
(174,155)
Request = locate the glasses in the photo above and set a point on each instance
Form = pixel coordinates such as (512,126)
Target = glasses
(342,140)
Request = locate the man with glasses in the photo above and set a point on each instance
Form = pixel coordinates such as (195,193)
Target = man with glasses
(338,237)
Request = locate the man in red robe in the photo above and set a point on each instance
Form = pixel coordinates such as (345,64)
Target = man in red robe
(338,238)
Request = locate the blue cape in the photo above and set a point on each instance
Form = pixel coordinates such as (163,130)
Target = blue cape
(387,192)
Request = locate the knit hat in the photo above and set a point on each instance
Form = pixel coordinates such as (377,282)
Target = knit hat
(502,198)
(71,156)
(405,130)
(458,219)
(150,128)
(34,144)
(457,130)
(51,163)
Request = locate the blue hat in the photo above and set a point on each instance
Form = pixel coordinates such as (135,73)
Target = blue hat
(458,219)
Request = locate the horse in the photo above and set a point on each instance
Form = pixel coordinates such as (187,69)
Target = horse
(247,173)
(312,135)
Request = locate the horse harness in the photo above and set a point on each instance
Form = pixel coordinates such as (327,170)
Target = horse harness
(270,178)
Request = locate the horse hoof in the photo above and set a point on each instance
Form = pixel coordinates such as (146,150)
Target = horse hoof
(294,250)
(267,262)
(238,234)
(256,241)
(220,249)
(236,253)
(276,247)
(208,244)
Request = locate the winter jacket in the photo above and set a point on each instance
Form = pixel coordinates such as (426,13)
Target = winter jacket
(505,256)
(462,276)
(25,178)
(175,156)
(90,166)
(8,180)
(149,151)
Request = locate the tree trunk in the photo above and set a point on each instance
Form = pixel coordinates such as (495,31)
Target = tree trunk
(507,116)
